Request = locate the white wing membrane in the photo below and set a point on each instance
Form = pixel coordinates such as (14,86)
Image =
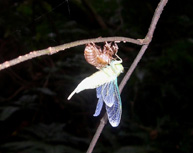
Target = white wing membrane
(99,78)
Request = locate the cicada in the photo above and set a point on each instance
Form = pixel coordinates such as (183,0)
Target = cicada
(99,58)
(105,82)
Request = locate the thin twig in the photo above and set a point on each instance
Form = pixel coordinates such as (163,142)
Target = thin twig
(132,67)
(147,39)
(53,50)
(97,133)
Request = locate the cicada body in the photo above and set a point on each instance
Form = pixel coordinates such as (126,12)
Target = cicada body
(105,82)
(99,58)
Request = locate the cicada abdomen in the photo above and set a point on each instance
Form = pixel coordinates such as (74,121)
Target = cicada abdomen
(97,57)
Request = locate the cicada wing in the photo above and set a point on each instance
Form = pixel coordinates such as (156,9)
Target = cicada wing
(98,91)
(100,101)
(98,107)
(114,112)
(105,93)
(108,93)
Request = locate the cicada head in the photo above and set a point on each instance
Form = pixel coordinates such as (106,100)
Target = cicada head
(117,66)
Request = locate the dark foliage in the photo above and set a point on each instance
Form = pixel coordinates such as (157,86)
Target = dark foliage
(35,116)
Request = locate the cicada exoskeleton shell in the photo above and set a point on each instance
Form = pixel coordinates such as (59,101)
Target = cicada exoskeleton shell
(99,58)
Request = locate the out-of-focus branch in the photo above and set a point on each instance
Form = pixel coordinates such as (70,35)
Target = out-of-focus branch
(147,39)
(97,17)
(53,50)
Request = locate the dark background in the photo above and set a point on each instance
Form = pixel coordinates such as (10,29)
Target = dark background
(35,116)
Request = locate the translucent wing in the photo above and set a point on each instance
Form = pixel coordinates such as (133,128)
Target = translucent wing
(98,107)
(98,91)
(100,101)
(114,112)
(109,93)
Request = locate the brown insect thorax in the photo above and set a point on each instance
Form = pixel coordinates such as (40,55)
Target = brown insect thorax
(99,58)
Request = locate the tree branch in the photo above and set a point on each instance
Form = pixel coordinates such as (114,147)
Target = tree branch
(147,39)
(53,50)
